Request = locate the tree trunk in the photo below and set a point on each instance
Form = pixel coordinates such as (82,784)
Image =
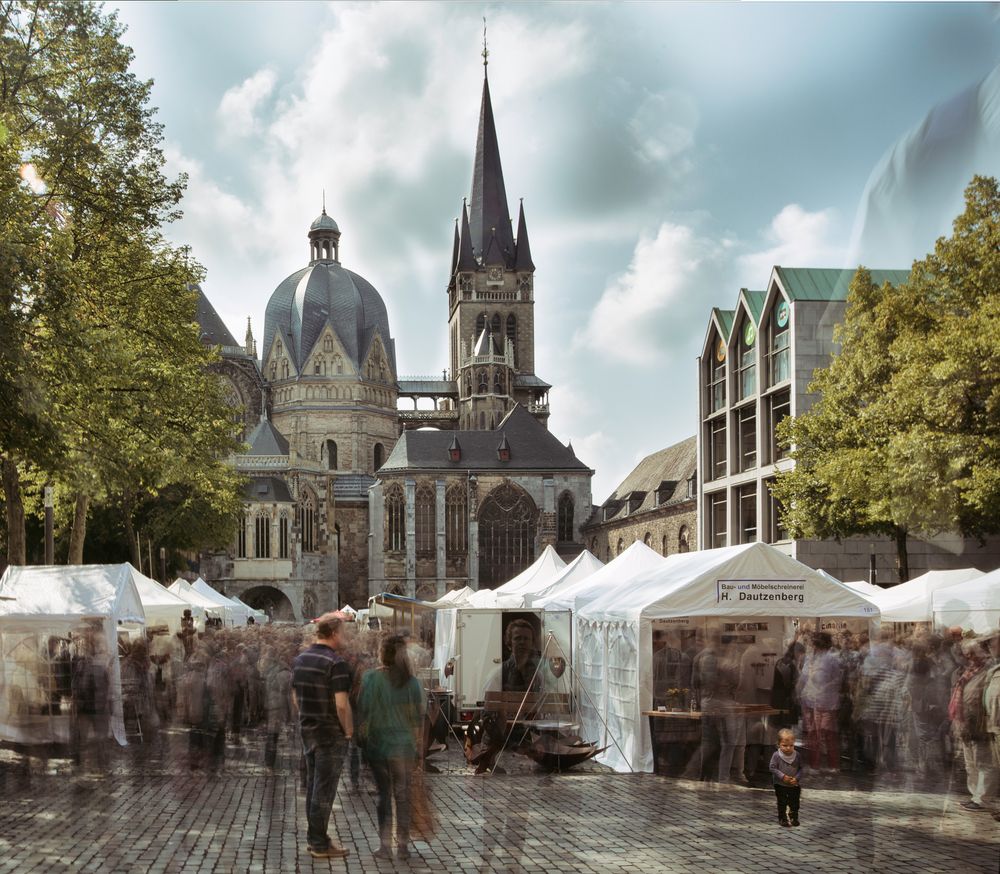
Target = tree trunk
(902,559)
(16,540)
(133,544)
(79,532)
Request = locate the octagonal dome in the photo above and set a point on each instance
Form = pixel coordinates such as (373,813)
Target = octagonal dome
(324,223)
(325,292)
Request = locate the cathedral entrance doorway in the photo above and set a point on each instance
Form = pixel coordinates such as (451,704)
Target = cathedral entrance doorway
(272,601)
(508,523)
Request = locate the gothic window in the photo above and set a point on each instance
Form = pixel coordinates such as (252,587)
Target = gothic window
(316,367)
(262,535)
(283,534)
(683,540)
(508,522)
(512,334)
(395,530)
(480,324)
(648,539)
(379,455)
(307,518)
(339,362)
(495,325)
(497,382)
(284,368)
(456,518)
(328,343)
(565,518)
(621,546)
(241,540)
(424,509)
(331,454)
(484,384)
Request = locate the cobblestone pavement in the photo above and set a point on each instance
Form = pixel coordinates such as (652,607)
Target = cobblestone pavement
(151,813)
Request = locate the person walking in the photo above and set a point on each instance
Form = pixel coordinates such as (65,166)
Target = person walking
(390,707)
(321,683)
(967,711)
(819,692)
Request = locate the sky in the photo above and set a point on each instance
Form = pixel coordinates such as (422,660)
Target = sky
(668,154)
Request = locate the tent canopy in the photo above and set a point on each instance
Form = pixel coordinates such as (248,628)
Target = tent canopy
(911,601)
(73,592)
(572,595)
(751,579)
(235,614)
(182,589)
(581,567)
(511,593)
(163,607)
(973,604)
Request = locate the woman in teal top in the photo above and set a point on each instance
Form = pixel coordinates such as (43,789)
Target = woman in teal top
(391,710)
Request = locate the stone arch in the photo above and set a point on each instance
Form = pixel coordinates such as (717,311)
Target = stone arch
(272,601)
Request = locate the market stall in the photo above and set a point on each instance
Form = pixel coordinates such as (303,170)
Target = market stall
(973,605)
(51,618)
(748,600)
(183,590)
(511,593)
(580,568)
(162,607)
(910,602)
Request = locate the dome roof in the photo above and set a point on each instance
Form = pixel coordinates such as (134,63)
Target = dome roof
(324,292)
(324,223)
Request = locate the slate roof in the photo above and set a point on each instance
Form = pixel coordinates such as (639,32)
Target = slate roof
(427,386)
(529,380)
(812,283)
(532,447)
(213,330)
(352,485)
(488,211)
(265,439)
(668,468)
(325,292)
(267,489)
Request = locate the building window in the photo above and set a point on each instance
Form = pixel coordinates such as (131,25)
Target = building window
(663,545)
(647,539)
(593,546)
(480,326)
(316,368)
(508,522)
(483,382)
(716,506)
(307,521)
(512,334)
(565,518)
(717,379)
(283,534)
(778,406)
(395,528)
(495,327)
(241,539)
(745,423)
(262,535)
(456,520)
(776,530)
(746,500)
(779,336)
(424,510)
(746,374)
(331,454)
(379,454)
(715,441)
(684,539)
(328,343)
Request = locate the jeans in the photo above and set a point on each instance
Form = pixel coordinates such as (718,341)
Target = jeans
(788,801)
(324,761)
(392,779)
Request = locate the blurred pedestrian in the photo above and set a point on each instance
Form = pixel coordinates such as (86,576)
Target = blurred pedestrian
(819,692)
(968,718)
(390,707)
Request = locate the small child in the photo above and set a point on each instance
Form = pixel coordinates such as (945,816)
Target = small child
(786,768)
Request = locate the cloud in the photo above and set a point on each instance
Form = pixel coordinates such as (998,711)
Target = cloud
(797,238)
(663,127)
(665,273)
(238,107)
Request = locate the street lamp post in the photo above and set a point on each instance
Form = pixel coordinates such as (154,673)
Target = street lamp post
(50,550)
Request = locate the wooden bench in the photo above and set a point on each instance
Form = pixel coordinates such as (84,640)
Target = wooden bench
(523,707)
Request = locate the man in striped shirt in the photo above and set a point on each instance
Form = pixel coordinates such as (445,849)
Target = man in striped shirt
(321,683)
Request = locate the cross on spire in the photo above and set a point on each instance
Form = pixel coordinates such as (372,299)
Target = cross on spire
(486,51)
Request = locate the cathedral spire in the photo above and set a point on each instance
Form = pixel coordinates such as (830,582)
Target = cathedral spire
(466,257)
(488,208)
(523,264)
(454,251)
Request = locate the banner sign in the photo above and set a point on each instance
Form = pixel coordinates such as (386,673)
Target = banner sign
(731,592)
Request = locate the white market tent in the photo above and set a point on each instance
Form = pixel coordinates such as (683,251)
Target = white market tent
(873,593)
(182,589)
(614,631)
(581,567)
(454,598)
(235,614)
(163,607)
(260,617)
(911,601)
(511,593)
(572,595)
(44,601)
(974,604)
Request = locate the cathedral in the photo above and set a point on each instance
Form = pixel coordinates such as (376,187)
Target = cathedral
(349,494)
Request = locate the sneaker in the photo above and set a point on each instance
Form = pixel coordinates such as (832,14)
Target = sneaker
(971,805)
(331,852)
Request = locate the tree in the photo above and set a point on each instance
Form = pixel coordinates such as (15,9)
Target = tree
(100,360)
(905,435)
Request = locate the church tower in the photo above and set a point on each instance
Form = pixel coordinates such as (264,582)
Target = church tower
(491,305)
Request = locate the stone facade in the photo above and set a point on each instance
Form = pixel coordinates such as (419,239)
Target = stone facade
(655,504)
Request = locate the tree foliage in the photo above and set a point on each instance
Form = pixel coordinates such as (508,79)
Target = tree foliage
(904,436)
(101,366)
